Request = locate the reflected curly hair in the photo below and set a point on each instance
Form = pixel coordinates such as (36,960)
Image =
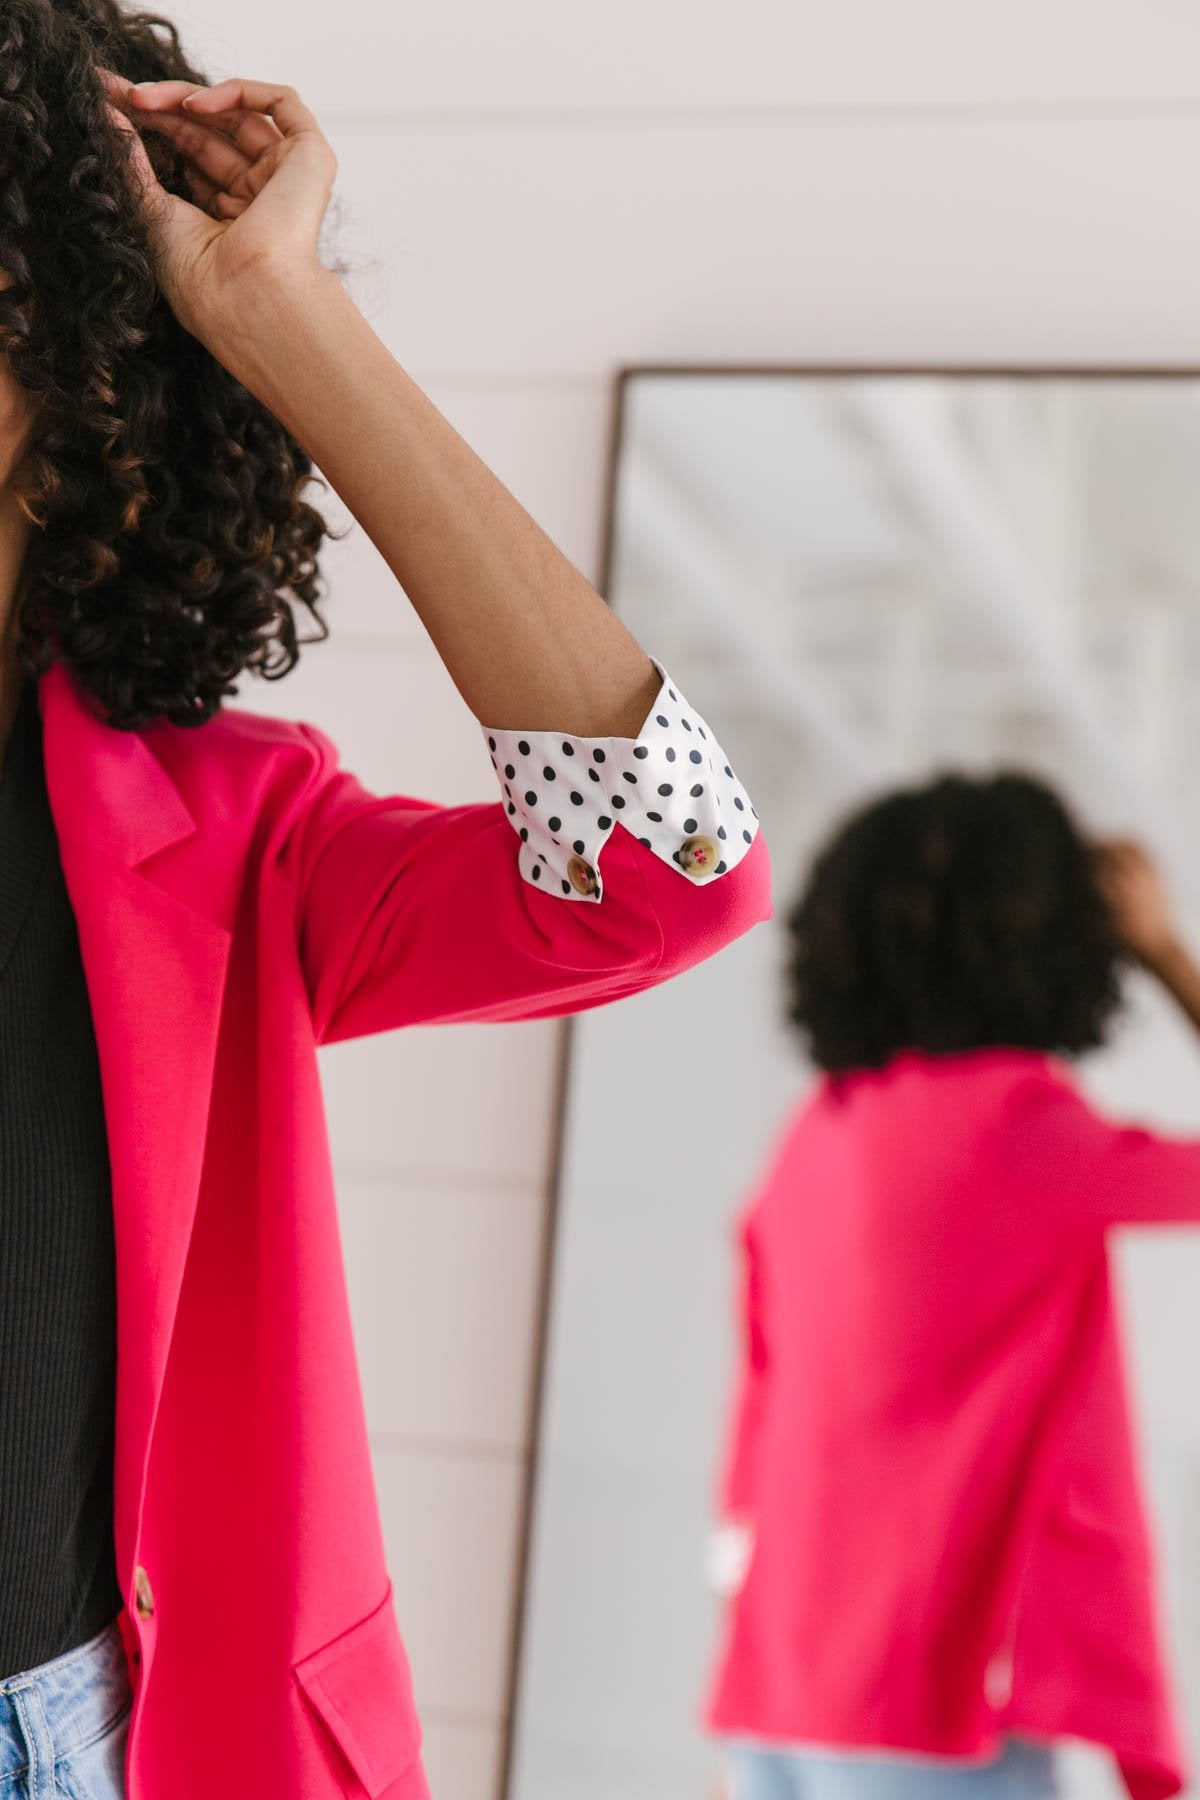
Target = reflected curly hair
(951,917)
(172,548)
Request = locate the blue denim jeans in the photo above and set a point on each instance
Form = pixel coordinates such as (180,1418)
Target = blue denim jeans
(766,1772)
(63,1725)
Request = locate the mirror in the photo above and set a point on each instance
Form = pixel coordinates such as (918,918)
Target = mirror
(860,579)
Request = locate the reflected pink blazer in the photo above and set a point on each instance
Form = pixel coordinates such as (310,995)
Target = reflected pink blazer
(240,900)
(931,1438)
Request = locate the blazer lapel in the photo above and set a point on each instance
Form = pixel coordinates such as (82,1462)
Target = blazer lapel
(155,967)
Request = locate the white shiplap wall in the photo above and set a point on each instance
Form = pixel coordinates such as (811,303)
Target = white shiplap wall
(532,195)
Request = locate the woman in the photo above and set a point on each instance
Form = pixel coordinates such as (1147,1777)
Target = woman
(192,900)
(931,1466)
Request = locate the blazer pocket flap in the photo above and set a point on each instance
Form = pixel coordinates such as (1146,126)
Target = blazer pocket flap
(361,1687)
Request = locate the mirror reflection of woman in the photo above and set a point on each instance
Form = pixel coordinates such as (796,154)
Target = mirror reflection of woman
(941,1562)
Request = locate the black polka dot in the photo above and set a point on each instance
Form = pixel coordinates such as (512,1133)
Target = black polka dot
(670,756)
(536,871)
(690,825)
(695,756)
(531,798)
(578,846)
(495,764)
(524,834)
(548,772)
(507,791)
(628,775)
(555,824)
(729,771)
(597,756)
(672,693)
(738,804)
(566,887)
(702,732)
(568,749)
(523,747)
(491,743)
(604,821)
(657,817)
(662,719)
(641,752)
(647,843)
(686,723)
(509,770)
(754,811)
(511,809)
(747,837)
(576,799)
(697,790)
(666,789)
(618,800)
(720,868)
(594,774)
(721,832)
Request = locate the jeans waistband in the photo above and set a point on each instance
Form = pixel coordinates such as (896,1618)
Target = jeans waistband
(82,1692)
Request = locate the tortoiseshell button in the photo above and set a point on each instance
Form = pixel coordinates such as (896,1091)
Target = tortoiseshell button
(698,856)
(143,1594)
(582,876)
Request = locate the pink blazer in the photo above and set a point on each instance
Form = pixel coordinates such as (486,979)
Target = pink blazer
(931,1438)
(240,900)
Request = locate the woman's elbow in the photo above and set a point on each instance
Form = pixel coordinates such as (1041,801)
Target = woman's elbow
(697,921)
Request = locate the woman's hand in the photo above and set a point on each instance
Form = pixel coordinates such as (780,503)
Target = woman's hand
(1138,897)
(261,173)
(730,1552)
(1146,921)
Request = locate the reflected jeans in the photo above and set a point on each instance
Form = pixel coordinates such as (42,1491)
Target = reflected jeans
(766,1772)
(64,1724)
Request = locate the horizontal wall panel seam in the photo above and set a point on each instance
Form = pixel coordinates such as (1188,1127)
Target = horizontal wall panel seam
(462,1718)
(950,112)
(446,1450)
(445,1179)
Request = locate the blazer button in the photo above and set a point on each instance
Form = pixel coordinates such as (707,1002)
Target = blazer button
(581,876)
(143,1594)
(698,856)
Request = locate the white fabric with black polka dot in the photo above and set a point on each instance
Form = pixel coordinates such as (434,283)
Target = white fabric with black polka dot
(671,787)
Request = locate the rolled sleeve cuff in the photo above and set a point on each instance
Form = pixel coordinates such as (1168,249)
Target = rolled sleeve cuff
(672,787)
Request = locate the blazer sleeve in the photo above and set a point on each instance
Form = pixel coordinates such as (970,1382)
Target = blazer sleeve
(737,1481)
(1081,1169)
(412,913)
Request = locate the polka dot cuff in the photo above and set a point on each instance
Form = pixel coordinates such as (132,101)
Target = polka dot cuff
(671,787)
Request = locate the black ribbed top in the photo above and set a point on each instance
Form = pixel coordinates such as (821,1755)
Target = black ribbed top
(58,1577)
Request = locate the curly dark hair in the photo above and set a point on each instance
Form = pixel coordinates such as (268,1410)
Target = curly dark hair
(172,548)
(950,917)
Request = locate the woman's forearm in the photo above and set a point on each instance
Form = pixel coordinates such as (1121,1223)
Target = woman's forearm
(1179,972)
(526,639)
